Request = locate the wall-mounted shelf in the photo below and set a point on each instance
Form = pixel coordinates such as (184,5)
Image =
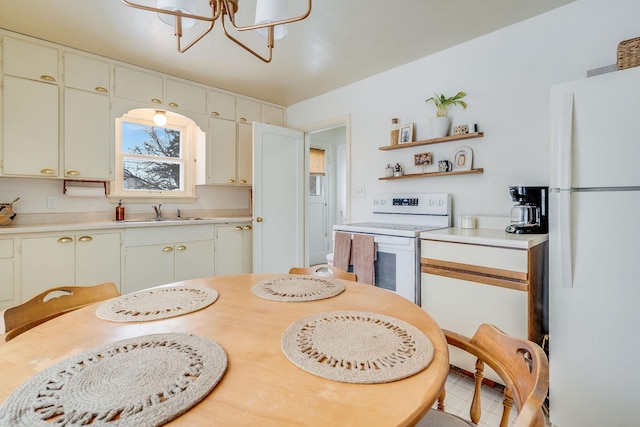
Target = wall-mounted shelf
(426,174)
(433,141)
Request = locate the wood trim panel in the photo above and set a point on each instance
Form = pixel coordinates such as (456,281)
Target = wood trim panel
(475,277)
(476,269)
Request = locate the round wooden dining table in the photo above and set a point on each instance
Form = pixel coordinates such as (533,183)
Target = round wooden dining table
(261,386)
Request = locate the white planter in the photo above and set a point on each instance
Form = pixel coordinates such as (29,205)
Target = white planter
(439,127)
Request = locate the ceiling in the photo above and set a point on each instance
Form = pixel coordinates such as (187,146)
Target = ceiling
(341,42)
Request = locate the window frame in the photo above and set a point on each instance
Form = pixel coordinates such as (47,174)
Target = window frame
(188,142)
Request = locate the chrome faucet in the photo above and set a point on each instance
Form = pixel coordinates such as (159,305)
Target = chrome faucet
(158,210)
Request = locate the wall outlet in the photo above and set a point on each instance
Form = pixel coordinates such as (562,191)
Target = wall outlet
(358,191)
(52,202)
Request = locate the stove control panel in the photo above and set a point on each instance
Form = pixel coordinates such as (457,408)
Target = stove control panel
(405,201)
(413,204)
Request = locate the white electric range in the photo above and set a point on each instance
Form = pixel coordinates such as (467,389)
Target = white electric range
(398,221)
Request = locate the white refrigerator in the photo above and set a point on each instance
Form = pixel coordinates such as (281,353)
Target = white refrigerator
(594,252)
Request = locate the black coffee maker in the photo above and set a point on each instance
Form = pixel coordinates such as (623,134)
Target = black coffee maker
(529,215)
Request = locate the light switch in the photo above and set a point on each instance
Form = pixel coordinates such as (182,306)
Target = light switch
(52,202)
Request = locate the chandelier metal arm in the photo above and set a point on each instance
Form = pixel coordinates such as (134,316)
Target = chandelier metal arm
(270,43)
(215,13)
(267,25)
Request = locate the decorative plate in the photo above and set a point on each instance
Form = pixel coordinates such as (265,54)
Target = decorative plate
(462,158)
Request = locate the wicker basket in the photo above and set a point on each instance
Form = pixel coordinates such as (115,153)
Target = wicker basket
(6,213)
(629,54)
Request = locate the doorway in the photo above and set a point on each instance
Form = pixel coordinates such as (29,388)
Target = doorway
(327,201)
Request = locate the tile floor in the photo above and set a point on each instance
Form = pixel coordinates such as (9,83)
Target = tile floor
(458,400)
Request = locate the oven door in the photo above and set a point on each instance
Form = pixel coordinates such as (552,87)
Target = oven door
(397,266)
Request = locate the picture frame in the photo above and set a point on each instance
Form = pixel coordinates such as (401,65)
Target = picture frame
(422,159)
(406,133)
(462,158)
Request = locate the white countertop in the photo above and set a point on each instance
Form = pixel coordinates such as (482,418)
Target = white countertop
(485,236)
(108,225)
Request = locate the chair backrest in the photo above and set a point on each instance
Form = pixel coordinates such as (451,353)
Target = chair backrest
(325,270)
(521,364)
(52,303)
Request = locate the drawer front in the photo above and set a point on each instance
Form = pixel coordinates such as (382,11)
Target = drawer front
(167,234)
(6,248)
(483,256)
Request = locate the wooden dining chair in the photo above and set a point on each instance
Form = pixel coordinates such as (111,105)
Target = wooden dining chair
(325,270)
(521,364)
(53,303)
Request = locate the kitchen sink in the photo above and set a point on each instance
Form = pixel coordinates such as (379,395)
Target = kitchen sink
(190,218)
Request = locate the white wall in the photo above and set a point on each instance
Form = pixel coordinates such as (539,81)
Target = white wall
(507,75)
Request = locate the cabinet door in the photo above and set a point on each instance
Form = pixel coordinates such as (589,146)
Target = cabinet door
(194,259)
(85,73)
(230,250)
(29,60)
(47,262)
(148,266)
(221,152)
(247,247)
(30,131)
(247,110)
(272,115)
(88,153)
(245,153)
(222,105)
(6,285)
(138,86)
(185,97)
(97,259)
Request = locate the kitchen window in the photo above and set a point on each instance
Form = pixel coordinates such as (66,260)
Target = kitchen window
(155,161)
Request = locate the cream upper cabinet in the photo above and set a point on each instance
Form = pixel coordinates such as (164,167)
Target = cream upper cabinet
(29,60)
(30,128)
(222,105)
(245,154)
(88,150)
(138,86)
(183,97)
(272,115)
(235,249)
(81,72)
(221,152)
(248,110)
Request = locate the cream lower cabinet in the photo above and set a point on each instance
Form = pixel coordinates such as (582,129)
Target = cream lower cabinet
(159,255)
(80,259)
(464,285)
(234,252)
(7,274)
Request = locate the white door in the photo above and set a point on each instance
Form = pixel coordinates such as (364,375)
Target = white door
(278,198)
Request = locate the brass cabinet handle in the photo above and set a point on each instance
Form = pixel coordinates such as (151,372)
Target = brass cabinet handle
(243,181)
(181,248)
(238,228)
(167,249)
(259,219)
(47,78)
(72,173)
(156,101)
(215,114)
(101,89)
(231,181)
(47,171)
(248,227)
(65,240)
(242,119)
(85,239)
(173,104)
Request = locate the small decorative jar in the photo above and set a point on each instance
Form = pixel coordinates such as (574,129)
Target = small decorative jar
(397,170)
(388,171)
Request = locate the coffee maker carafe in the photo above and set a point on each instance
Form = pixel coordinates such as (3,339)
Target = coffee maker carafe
(529,214)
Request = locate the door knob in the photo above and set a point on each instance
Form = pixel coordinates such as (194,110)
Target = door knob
(259,219)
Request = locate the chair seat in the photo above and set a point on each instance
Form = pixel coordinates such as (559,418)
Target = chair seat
(435,418)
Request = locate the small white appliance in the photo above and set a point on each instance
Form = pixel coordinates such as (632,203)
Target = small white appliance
(594,289)
(398,221)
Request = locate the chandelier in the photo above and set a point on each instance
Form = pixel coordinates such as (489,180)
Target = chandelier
(270,22)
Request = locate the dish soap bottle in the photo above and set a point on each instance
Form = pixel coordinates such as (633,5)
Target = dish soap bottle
(120,211)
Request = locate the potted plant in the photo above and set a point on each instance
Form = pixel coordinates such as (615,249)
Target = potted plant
(440,123)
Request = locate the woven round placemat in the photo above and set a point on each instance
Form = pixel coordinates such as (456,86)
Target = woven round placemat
(157,303)
(357,347)
(142,381)
(297,288)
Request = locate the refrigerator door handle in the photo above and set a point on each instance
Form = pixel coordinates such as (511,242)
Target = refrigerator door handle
(564,143)
(565,240)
